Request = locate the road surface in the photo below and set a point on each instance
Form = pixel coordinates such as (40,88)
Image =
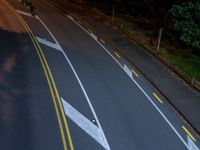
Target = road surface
(68,90)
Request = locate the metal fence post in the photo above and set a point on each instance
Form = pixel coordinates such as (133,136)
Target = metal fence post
(159,39)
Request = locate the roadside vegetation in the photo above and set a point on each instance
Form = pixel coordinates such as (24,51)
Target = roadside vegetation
(29,5)
(180,23)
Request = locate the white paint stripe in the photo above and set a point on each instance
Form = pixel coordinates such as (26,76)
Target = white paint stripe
(128,71)
(156,107)
(81,85)
(83,123)
(191,144)
(47,43)
(24,13)
(71,17)
(93,35)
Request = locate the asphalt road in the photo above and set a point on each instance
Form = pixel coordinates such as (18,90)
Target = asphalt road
(106,105)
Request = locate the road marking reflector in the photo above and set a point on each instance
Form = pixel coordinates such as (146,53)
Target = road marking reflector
(117,55)
(158,98)
(184,128)
(135,73)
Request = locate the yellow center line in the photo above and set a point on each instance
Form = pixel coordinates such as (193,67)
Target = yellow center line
(59,100)
(158,98)
(135,73)
(184,128)
(117,55)
(44,62)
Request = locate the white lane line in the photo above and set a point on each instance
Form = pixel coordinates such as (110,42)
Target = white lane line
(156,107)
(47,43)
(81,85)
(24,13)
(84,123)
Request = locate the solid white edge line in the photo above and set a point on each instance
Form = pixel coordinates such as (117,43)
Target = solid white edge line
(81,85)
(161,113)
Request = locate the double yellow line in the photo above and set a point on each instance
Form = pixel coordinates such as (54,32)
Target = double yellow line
(52,86)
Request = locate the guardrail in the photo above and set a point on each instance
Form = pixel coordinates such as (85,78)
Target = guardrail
(130,34)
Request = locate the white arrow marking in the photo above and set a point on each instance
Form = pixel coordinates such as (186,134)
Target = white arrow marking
(191,144)
(84,124)
(47,43)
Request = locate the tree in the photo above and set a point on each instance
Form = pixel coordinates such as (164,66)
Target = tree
(187,22)
(29,5)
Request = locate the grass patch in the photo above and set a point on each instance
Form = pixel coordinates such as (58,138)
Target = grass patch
(190,65)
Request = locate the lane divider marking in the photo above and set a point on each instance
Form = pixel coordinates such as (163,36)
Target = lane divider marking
(117,55)
(158,98)
(135,73)
(191,136)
